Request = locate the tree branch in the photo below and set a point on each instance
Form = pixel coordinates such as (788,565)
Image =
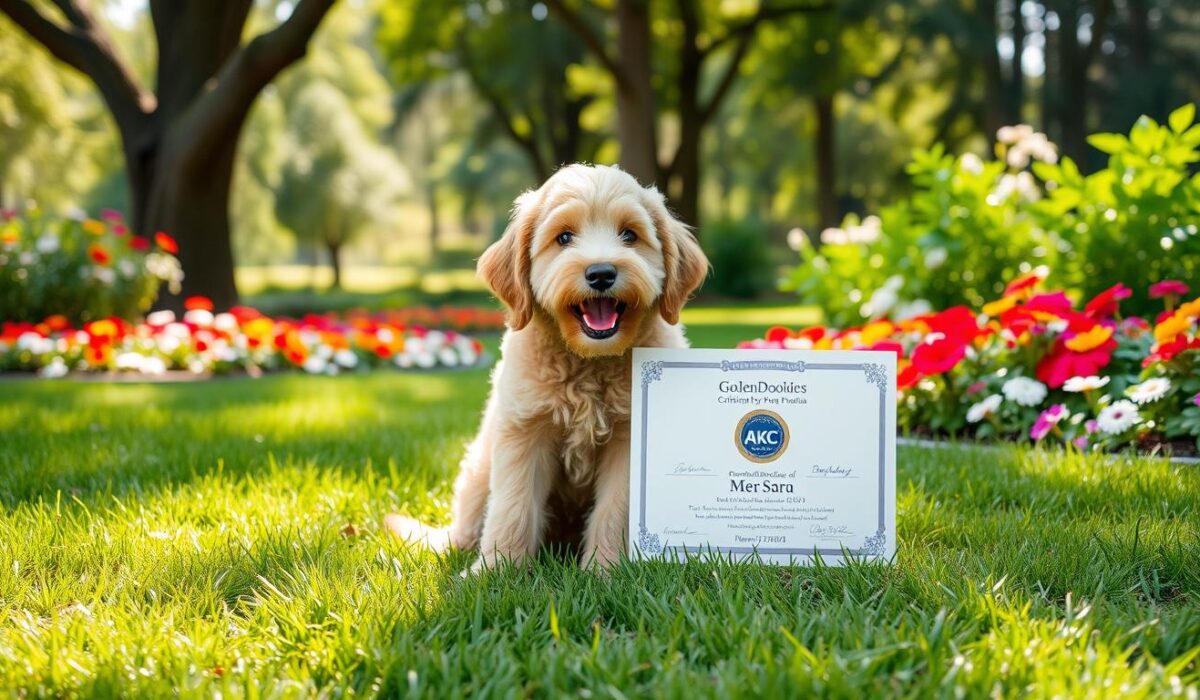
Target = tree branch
(84,47)
(594,44)
(502,114)
(765,13)
(726,82)
(217,114)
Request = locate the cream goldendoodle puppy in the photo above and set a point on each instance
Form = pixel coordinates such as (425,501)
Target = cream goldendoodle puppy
(591,265)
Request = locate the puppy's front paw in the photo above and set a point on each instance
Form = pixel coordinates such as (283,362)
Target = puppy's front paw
(464,538)
(601,558)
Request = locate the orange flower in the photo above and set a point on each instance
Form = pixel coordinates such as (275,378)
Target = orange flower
(1090,340)
(93,226)
(57,322)
(995,308)
(105,329)
(98,254)
(9,236)
(1190,309)
(198,303)
(97,355)
(1173,326)
(259,328)
(162,240)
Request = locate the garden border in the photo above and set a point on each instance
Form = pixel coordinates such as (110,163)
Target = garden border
(959,444)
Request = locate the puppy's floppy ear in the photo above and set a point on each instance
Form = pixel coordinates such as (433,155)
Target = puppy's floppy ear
(504,266)
(684,262)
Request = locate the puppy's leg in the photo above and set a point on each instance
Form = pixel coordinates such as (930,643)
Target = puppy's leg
(471,485)
(604,539)
(524,459)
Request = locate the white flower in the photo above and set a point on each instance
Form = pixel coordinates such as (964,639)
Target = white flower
(27,258)
(1024,391)
(934,257)
(1149,391)
(880,303)
(424,360)
(47,243)
(403,360)
(129,360)
(917,307)
(970,163)
(797,239)
(1079,385)
(104,274)
(346,358)
(126,268)
(75,214)
(1118,417)
(315,364)
(167,269)
(57,368)
(385,335)
(202,318)
(985,408)
(447,357)
(225,322)
(153,365)
(160,318)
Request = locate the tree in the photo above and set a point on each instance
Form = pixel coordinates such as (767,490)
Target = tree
(712,42)
(179,141)
(516,63)
(336,181)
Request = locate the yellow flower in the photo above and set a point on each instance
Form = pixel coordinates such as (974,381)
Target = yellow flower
(93,226)
(1172,326)
(1190,309)
(10,235)
(995,308)
(874,332)
(1090,340)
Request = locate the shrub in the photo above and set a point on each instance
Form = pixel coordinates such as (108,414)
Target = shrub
(740,258)
(79,268)
(972,224)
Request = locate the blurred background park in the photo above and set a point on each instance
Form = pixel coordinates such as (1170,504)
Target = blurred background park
(323,155)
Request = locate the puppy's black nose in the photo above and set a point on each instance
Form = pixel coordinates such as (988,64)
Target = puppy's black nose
(600,276)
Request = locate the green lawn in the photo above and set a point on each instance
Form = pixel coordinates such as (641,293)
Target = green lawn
(194,537)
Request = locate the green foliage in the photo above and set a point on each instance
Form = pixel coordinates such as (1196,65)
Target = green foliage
(740,258)
(83,269)
(1135,221)
(971,226)
(190,540)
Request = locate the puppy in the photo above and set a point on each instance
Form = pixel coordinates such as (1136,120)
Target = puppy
(590,266)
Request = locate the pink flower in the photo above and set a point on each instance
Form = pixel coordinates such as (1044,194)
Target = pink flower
(110,215)
(1091,426)
(1177,288)
(1081,442)
(1196,399)
(1047,420)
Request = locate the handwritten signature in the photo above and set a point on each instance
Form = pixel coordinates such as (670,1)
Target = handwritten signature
(829,530)
(685,468)
(831,471)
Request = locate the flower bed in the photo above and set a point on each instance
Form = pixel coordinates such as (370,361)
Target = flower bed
(241,339)
(1033,366)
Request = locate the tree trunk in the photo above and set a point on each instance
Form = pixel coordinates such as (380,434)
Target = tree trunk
(1072,85)
(335,263)
(435,231)
(1015,90)
(993,79)
(827,213)
(636,128)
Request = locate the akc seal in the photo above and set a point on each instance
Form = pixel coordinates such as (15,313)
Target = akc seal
(761,436)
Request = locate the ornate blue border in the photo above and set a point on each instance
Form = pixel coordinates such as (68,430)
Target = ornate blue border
(874,545)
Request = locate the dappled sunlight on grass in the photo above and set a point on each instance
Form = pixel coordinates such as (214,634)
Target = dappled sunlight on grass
(226,535)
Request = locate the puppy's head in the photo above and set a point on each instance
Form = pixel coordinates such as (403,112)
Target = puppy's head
(595,255)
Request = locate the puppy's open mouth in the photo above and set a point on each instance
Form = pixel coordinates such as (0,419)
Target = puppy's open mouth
(599,317)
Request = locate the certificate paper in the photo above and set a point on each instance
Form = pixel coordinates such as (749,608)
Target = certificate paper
(787,454)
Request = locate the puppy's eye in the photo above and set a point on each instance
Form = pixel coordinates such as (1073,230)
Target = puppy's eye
(628,237)
(565,238)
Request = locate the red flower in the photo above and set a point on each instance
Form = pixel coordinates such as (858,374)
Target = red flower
(908,377)
(1062,363)
(777,334)
(198,302)
(1021,284)
(889,346)
(1165,352)
(939,353)
(956,323)
(1055,303)
(167,243)
(1159,290)
(98,254)
(1104,304)
(139,243)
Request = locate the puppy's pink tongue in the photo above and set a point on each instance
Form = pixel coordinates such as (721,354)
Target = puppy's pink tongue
(600,313)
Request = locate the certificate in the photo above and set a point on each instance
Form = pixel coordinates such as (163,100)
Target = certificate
(787,455)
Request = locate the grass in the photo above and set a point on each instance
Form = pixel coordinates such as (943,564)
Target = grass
(190,539)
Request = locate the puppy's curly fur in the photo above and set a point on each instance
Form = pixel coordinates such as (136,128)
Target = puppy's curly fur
(552,452)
